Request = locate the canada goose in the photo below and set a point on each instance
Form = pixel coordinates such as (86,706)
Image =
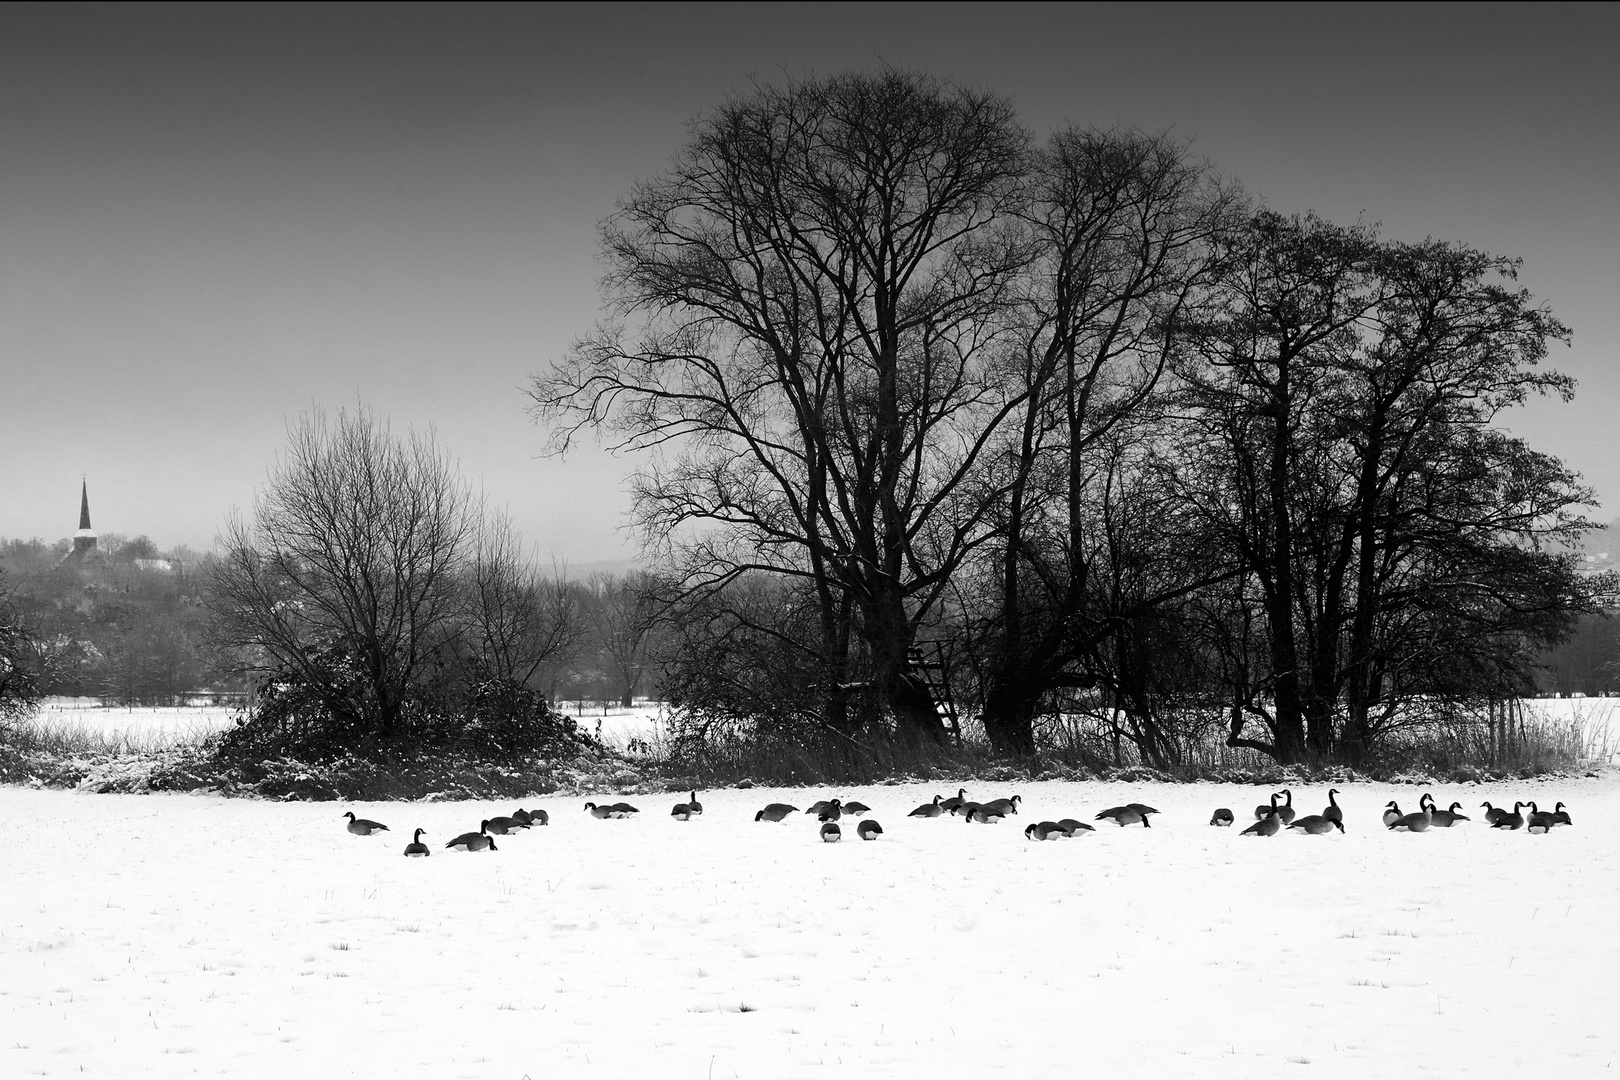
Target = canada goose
(818,806)
(1392,813)
(929,809)
(1493,814)
(1264,810)
(622,810)
(1006,806)
(1540,821)
(681,812)
(1316,824)
(1222,817)
(1561,816)
(362,827)
(954,803)
(1286,810)
(831,812)
(416,849)
(693,805)
(984,815)
(868,830)
(1125,815)
(775,811)
(830,832)
(1141,808)
(603,812)
(1044,830)
(1266,826)
(1070,827)
(1332,811)
(1508,821)
(473,841)
(537,817)
(854,806)
(1418,822)
(505,826)
(1445,819)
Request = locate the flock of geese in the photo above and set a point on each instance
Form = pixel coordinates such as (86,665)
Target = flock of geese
(1270,818)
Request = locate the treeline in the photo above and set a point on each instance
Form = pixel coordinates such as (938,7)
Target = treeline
(137,625)
(1076,415)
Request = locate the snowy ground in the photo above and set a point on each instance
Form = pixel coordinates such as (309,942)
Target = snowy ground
(159,936)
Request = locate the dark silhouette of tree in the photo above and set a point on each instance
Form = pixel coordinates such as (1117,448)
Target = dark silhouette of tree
(817,290)
(1344,391)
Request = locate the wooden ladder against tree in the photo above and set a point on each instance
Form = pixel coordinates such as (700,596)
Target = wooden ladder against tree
(928,661)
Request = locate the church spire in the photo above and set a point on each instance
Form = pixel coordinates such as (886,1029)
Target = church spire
(84,504)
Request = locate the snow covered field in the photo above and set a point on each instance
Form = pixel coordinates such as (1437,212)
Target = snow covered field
(161,936)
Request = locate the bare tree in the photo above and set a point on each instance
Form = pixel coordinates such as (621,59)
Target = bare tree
(818,285)
(356,548)
(20,662)
(1126,229)
(625,613)
(519,617)
(1345,393)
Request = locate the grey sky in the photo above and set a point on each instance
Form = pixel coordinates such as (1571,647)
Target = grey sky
(212,219)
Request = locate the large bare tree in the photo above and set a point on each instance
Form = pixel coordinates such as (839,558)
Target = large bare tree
(808,326)
(356,547)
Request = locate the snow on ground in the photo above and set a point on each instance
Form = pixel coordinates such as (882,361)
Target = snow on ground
(158,936)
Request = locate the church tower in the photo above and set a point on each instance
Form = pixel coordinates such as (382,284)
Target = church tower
(84,541)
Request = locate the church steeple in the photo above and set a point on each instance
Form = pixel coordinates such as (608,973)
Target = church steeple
(84,541)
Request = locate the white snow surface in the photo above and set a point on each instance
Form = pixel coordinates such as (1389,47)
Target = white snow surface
(174,935)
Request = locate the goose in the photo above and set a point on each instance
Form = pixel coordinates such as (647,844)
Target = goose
(622,810)
(1006,806)
(1286,810)
(1508,821)
(1541,821)
(830,832)
(984,815)
(505,826)
(855,806)
(1332,811)
(1445,819)
(1493,814)
(1124,815)
(473,841)
(1418,822)
(1141,808)
(831,812)
(537,817)
(1266,826)
(693,805)
(681,812)
(362,827)
(819,805)
(930,809)
(868,830)
(1316,824)
(1561,816)
(1222,817)
(775,811)
(954,803)
(603,812)
(1044,830)
(1264,810)
(1392,813)
(1070,827)
(416,849)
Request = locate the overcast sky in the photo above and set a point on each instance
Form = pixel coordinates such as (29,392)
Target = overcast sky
(211,220)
